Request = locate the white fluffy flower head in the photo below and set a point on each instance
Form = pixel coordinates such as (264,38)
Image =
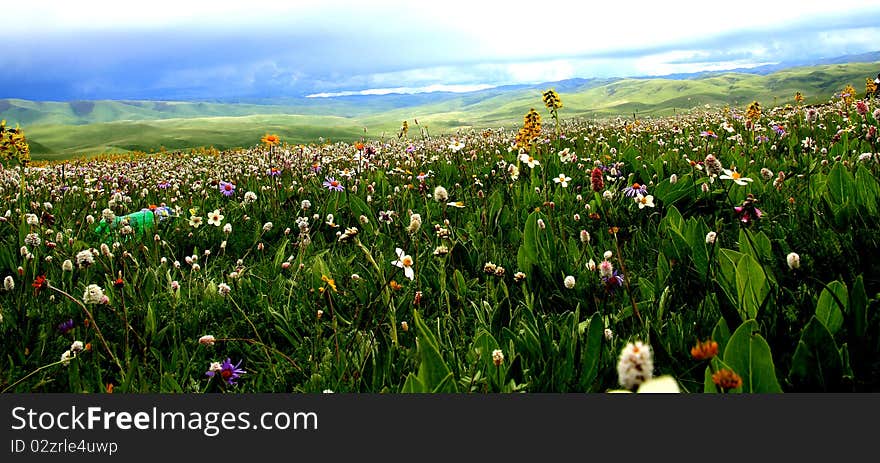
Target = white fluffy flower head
(636,365)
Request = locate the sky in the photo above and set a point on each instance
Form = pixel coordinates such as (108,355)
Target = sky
(260,49)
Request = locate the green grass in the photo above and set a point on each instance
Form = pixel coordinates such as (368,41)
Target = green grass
(62,130)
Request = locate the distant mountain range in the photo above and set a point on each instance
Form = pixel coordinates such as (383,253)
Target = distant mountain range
(88,127)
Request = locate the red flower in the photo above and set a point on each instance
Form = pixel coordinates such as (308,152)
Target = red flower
(39,284)
(596,180)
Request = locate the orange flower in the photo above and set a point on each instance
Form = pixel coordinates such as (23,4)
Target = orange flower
(109,388)
(395,285)
(39,284)
(270,140)
(359,146)
(726,379)
(704,350)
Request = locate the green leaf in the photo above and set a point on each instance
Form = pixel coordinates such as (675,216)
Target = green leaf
(727,263)
(695,232)
(831,305)
(484,344)
(748,354)
(412,385)
(751,287)
(839,185)
(758,246)
(591,351)
(816,364)
(858,308)
(721,334)
(433,371)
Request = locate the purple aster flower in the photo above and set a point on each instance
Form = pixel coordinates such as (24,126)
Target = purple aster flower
(227,371)
(708,134)
(635,189)
(316,168)
(410,149)
(64,327)
(780,130)
(613,282)
(164,185)
(227,188)
(748,213)
(763,138)
(273,172)
(332,184)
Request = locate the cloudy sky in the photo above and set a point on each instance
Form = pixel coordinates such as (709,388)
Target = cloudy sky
(218,49)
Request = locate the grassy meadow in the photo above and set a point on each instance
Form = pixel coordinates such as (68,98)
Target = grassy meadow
(729,249)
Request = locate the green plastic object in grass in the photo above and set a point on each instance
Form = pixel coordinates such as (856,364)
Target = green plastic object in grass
(140,221)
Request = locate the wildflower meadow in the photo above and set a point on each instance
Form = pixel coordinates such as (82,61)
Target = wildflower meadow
(719,250)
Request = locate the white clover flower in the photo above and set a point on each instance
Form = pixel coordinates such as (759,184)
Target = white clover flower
(8,283)
(223,289)
(207,340)
(497,357)
(794,261)
(710,237)
(84,258)
(94,295)
(440,194)
(415,223)
(635,365)
(569,282)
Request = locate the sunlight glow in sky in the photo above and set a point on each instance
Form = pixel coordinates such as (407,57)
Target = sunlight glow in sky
(263,49)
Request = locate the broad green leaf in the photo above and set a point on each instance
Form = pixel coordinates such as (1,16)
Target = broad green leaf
(484,344)
(727,262)
(867,190)
(751,287)
(412,385)
(527,255)
(858,307)
(839,185)
(816,364)
(748,354)
(831,306)
(433,370)
(695,233)
(721,334)
(646,288)
(591,351)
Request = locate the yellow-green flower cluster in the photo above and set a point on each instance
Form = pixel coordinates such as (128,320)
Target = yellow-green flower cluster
(848,95)
(13,145)
(552,100)
(530,131)
(754,111)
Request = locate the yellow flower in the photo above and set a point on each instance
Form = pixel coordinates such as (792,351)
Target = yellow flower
(848,94)
(754,111)
(270,140)
(330,282)
(552,100)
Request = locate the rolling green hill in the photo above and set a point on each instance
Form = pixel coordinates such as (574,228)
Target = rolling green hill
(65,129)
